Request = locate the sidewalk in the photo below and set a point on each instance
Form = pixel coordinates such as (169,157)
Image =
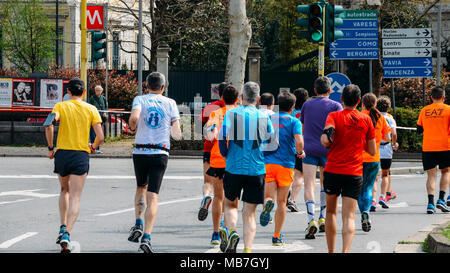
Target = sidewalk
(405,164)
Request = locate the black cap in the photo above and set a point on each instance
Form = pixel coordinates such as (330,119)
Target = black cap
(76,86)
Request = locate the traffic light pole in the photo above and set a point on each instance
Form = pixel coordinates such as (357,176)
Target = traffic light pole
(83,57)
(321,56)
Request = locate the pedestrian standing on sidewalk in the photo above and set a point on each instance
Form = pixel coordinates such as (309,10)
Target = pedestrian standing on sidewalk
(155,119)
(72,153)
(434,124)
(99,101)
(344,167)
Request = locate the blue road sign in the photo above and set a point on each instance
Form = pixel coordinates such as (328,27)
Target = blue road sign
(408,72)
(351,43)
(338,82)
(407,62)
(353,54)
(360,41)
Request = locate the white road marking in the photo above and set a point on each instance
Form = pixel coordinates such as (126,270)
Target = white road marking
(99,177)
(15,201)
(398,205)
(31,193)
(9,243)
(159,204)
(268,248)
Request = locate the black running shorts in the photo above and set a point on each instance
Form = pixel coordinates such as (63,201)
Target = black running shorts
(252,187)
(149,170)
(298,164)
(385,163)
(341,184)
(216,172)
(71,162)
(432,159)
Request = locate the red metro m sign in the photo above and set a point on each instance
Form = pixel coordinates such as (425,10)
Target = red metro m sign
(95,18)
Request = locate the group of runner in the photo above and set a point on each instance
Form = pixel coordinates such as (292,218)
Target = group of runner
(257,156)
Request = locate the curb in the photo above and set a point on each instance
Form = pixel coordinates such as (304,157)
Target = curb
(413,244)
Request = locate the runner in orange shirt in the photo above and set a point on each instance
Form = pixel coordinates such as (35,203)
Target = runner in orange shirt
(371,163)
(217,162)
(434,123)
(344,168)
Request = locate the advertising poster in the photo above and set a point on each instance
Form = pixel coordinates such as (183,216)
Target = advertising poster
(5,92)
(51,92)
(23,92)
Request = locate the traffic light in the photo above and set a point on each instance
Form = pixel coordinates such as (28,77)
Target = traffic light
(97,45)
(332,21)
(314,22)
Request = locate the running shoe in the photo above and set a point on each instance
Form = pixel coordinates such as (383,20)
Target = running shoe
(391,196)
(383,203)
(247,250)
(223,232)
(292,206)
(373,206)
(448,200)
(440,204)
(145,245)
(215,239)
(278,241)
(203,211)
(265,218)
(135,233)
(62,230)
(233,241)
(321,224)
(311,230)
(431,209)
(365,222)
(65,243)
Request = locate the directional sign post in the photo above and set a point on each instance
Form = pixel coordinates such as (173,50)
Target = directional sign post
(338,82)
(360,40)
(407,53)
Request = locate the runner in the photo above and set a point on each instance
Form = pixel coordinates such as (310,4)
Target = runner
(371,163)
(207,146)
(386,151)
(344,168)
(434,123)
(267,103)
(280,163)
(245,128)
(313,116)
(72,153)
(302,96)
(217,163)
(155,118)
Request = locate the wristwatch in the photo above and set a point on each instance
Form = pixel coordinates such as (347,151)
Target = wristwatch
(50,149)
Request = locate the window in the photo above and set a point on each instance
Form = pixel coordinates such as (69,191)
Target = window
(115,50)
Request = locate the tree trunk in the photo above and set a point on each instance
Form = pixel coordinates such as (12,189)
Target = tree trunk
(240,35)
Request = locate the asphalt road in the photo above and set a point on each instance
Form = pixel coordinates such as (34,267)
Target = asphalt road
(30,218)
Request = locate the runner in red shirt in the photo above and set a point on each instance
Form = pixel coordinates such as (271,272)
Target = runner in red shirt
(347,134)
(207,146)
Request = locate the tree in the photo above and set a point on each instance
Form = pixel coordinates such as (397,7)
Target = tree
(28,36)
(240,35)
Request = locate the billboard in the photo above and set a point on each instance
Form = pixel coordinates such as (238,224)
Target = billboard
(5,92)
(51,92)
(23,92)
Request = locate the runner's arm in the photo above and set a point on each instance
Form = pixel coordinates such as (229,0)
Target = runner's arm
(299,145)
(134,118)
(324,138)
(394,138)
(371,147)
(175,129)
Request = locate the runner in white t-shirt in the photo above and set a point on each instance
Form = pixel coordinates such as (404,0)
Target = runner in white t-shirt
(386,152)
(155,118)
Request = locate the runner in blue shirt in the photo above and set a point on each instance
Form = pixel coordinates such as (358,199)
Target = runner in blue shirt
(244,128)
(281,162)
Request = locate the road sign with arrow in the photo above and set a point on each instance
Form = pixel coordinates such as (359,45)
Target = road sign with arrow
(407,53)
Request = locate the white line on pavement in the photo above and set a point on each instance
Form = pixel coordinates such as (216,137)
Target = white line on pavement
(17,239)
(15,201)
(268,248)
(159,204)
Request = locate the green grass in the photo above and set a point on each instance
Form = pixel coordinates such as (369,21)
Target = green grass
(425,246)
(446,232)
